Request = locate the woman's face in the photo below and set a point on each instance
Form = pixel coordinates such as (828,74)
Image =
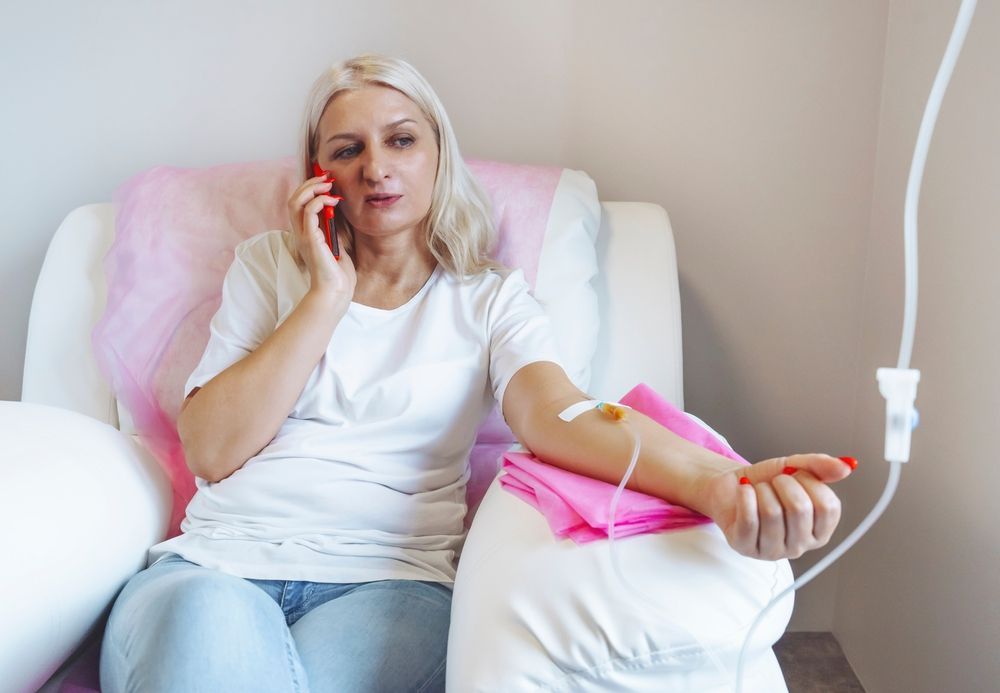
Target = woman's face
(382,151)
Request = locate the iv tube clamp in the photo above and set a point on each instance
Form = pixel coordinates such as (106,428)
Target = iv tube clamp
(899,387)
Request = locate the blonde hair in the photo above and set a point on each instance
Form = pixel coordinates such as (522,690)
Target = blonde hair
(458,227)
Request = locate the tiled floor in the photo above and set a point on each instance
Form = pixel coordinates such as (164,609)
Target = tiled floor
(814,663)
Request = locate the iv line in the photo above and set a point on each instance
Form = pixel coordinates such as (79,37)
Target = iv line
(897,385)
(613,547)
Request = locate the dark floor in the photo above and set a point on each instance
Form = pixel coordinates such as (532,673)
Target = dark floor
(814,663)
(811,663)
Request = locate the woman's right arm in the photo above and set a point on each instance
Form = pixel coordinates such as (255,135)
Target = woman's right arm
(239,411)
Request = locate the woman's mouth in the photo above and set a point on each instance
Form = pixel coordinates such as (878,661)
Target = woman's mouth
(381,200)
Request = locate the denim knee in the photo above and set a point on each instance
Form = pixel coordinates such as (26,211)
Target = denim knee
(178,626)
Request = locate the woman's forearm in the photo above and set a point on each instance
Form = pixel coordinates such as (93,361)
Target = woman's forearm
(596,445)
(240,410)
(783,508)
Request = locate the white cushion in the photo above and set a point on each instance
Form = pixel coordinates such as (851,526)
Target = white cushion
(80,503)
(534,613)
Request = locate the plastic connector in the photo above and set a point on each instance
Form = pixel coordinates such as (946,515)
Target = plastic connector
(899,387)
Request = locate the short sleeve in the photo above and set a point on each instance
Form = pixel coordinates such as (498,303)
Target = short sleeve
(520,333)
(247,315)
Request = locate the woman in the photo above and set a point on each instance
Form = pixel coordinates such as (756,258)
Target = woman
(330,419)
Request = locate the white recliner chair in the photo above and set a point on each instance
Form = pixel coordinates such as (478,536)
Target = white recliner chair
(81,502)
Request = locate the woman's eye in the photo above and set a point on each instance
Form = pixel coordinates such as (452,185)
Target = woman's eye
(404,140)
(346,151)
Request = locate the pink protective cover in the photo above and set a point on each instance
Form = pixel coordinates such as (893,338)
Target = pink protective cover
(577,506)
(175,232)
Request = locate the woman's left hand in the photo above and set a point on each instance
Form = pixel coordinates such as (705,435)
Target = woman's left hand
(786,509)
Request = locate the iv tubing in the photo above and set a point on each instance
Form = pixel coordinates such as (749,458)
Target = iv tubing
(927,124)
(955,43)
(859,531)
(958,34)
(612,519)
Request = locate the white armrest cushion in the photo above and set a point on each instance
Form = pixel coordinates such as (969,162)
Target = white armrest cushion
(531,612)
(80,503)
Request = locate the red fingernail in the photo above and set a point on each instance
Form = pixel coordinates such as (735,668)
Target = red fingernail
(789,470)
(850,462)
(744,481)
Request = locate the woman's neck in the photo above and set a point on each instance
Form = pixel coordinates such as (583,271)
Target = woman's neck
(390,270)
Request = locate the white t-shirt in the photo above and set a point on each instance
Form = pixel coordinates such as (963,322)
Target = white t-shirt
(365,480)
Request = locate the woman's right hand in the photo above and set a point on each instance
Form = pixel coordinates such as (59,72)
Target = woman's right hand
(328,276)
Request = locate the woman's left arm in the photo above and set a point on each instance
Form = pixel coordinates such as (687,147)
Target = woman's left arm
(785,510)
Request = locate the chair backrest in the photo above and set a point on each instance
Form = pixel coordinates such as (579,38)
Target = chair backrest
(637,288)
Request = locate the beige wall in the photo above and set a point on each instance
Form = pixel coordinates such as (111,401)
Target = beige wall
(753,124)
(917,607)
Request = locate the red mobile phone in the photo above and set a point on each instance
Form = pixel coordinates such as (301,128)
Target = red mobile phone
(327,214)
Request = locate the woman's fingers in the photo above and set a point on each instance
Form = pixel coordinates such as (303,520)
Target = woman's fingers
(798,511)
(771,537)
(307,191)
(316,205)
(787,508)
(785,517)
(826,507)
(311,222)
(302,198)
(826,468)
(747,525)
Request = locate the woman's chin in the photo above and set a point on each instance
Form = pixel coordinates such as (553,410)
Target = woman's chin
(383,225)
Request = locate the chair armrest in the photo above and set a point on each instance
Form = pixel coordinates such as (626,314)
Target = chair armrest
(638,297)
(80,504)
(531,612)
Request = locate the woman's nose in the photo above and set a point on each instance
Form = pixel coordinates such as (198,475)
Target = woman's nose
(374,166)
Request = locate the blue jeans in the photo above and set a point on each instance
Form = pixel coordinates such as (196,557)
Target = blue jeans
(178,626)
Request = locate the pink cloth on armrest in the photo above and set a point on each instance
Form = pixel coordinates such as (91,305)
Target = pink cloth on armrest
(576,506)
